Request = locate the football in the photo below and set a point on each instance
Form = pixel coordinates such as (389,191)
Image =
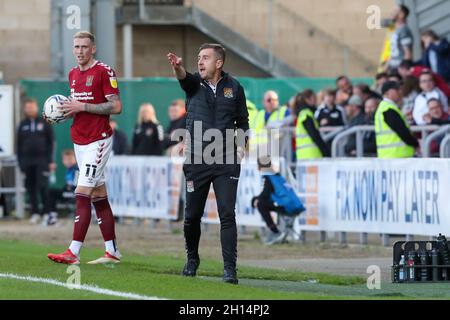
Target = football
(51,111)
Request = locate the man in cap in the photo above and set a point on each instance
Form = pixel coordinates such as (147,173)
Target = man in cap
(393,137)
(355,114)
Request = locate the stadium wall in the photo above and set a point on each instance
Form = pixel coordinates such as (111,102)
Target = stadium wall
(25,39)
(152,43)
(309,35)
(25,26)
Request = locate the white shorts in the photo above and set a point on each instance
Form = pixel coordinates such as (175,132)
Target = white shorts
(91,160)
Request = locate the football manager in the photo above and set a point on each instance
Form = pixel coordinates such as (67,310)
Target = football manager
(216,128)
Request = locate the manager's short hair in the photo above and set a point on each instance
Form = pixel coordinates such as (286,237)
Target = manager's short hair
(219,50)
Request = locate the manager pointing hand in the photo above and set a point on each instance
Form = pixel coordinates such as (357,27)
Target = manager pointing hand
(214,100)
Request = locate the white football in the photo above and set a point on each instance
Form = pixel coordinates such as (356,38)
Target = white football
(51,111)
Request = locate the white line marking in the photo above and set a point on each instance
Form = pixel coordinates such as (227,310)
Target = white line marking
(84,287)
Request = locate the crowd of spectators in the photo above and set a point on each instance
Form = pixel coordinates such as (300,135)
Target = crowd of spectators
(424,88)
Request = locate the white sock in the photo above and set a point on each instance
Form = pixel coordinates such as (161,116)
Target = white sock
(75,247)
(110,247)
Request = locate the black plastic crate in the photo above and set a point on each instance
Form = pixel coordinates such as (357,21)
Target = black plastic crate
(425,269)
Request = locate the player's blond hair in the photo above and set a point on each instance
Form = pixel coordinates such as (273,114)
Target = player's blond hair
(84,35)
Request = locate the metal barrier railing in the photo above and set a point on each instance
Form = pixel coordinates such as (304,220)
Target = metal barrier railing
(18,189)
(338,142)
(430,138)
(444,150)
(339,135)
(425,131)
(328,133)
(288,133)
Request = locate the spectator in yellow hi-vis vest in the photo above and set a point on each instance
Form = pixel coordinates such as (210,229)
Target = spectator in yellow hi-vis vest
(393,137)
(308,141)
(269,117)
(252,111)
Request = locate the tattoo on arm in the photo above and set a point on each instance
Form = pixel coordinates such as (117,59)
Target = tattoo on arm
(102,108)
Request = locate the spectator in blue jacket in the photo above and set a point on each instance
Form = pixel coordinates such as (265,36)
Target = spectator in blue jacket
(264,203)
(436,55)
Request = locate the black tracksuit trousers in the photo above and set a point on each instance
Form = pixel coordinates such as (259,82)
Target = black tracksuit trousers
(224,178)
(36,183)
(265,206)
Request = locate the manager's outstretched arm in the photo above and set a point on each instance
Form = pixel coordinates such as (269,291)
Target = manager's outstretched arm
(177,66)
(188,82)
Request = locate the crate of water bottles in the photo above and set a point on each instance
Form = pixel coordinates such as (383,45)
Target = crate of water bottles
(421,261)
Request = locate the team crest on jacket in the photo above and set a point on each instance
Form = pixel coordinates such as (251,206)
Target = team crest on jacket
(190,186)
(228,92)
(89,81)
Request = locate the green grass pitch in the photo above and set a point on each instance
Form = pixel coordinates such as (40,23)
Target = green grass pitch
(159,276)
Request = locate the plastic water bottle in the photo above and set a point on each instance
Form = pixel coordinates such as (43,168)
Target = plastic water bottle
(435,263)
(411,266)
(401,269)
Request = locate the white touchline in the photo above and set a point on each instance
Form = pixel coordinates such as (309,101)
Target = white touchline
(84,287)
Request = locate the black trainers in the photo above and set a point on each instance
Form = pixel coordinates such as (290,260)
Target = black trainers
(190,268)
(229,276)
